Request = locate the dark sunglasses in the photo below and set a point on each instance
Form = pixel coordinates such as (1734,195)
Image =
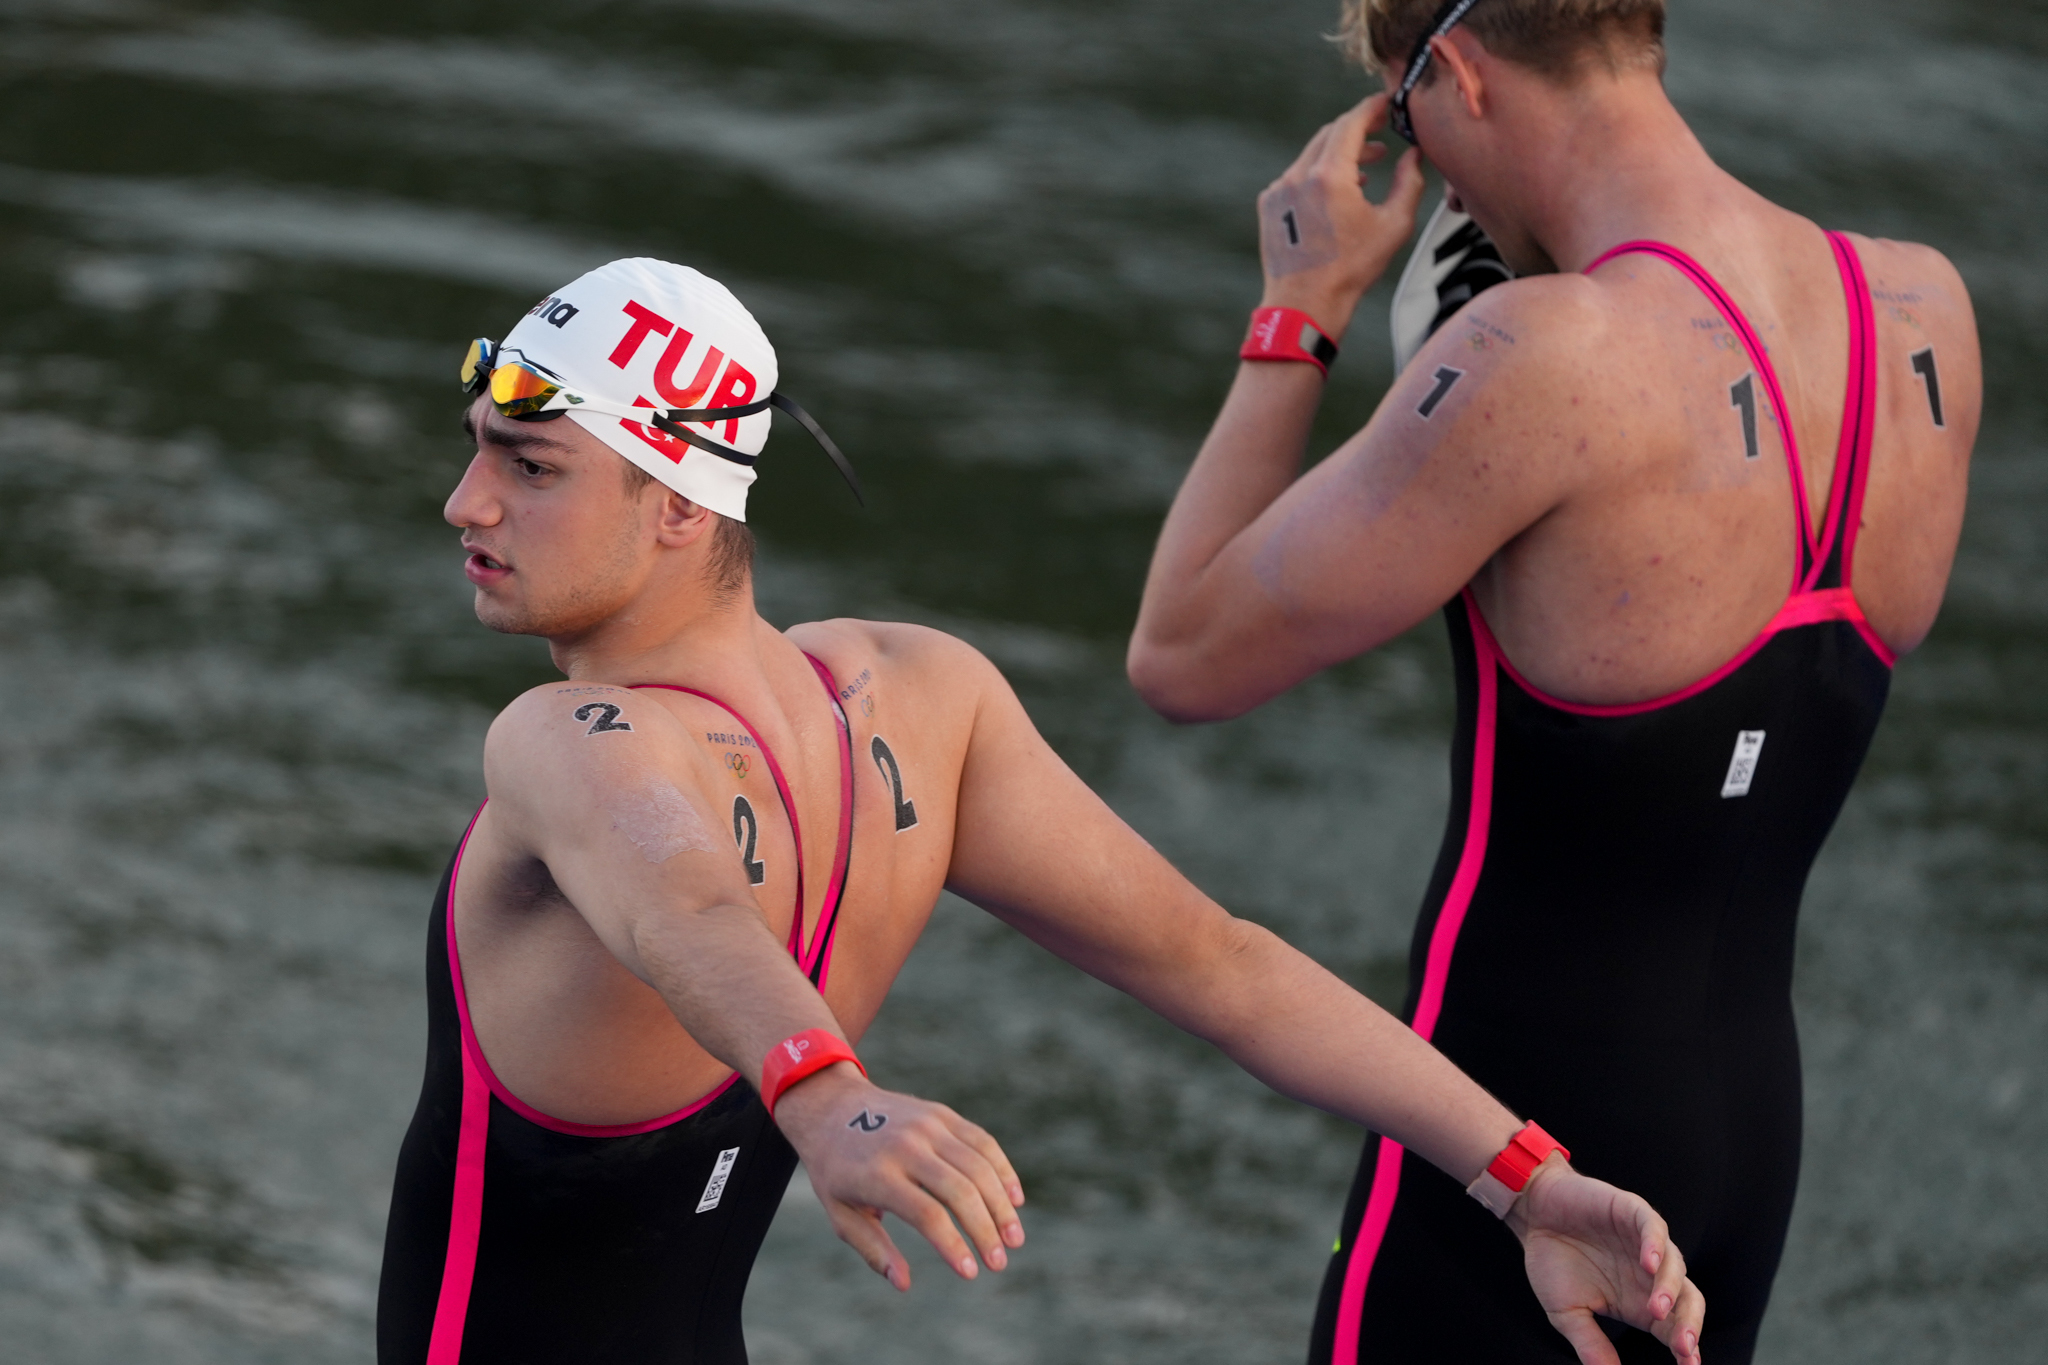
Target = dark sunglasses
(527,391)
(1447,18)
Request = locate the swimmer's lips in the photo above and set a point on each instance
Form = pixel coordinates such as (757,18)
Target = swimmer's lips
(482,570)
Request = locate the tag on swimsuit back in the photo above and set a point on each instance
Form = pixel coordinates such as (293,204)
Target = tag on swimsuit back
(1742,765)
(715,1189)
(1453,261)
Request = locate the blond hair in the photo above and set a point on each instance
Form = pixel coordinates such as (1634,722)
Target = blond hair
(1559,38)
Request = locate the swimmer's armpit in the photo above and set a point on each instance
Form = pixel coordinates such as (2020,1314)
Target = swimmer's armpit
(658,820)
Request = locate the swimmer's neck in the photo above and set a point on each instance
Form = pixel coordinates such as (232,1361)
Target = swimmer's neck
(716,643)
(1609,162)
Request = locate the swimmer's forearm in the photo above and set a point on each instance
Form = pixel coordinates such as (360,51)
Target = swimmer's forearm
(1252,455)
(733,988)
(1302,1031)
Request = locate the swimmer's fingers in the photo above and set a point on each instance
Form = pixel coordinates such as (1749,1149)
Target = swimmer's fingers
(950,1196)
(1661,1260)
(1344,149)
(1592,1248)
(1680,1328)
(991,1151)
(1404,196)
(1590,1343)
(861,1229)
(998,1195)
(871,1152)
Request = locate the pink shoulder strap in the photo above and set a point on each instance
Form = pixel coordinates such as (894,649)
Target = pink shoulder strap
(1805,558)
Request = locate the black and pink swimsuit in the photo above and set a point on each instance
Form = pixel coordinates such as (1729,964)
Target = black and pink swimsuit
(517,1237)
(1607,940)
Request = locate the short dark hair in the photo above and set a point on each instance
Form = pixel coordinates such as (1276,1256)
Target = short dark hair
(1559,38)
(732,542)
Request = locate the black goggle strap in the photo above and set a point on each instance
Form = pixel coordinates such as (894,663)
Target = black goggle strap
(671,422)
(1447,18)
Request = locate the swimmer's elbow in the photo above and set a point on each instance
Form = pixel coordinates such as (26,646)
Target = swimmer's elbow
(1176,684)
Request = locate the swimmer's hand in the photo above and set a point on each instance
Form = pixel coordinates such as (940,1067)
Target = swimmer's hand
(871,1151)
(1591,1248)
(1323,243)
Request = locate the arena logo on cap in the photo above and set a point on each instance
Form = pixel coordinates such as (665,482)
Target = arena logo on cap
(553,310)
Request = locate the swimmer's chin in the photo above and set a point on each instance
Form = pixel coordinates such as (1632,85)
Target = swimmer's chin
(510,620)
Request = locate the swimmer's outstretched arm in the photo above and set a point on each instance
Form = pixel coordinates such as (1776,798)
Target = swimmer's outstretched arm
(1039,850)
(617,819)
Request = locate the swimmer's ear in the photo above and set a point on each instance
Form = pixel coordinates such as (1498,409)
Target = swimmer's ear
(682,521)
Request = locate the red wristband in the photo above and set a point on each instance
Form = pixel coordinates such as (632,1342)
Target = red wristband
(1288,334)
(1507,1175)
(800,1055)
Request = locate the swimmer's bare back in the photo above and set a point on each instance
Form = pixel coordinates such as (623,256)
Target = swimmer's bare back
(1594,454)
(670,767)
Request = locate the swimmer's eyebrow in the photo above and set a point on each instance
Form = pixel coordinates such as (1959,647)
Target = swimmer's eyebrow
(516,437)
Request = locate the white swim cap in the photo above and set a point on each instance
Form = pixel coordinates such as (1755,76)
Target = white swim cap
(649,334)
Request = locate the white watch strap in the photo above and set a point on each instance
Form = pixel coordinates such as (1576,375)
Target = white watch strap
(1497,1197)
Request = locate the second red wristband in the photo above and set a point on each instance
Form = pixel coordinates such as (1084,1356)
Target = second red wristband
(1288,334)
(800,1055)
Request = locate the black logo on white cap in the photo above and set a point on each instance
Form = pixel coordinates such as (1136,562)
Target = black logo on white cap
(553,310)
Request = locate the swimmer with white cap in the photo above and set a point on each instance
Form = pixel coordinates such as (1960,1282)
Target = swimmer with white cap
(706,854)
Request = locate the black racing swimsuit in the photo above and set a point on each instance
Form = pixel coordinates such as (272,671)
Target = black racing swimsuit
(1606,943)
(520,1239)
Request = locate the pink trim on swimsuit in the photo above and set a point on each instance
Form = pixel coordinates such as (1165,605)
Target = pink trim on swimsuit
(1846,484)
(1759,357)
(796,829)
(473,1049)
(480,1083)
(1804,605)
(465,1214)
(843,854)
(1443,942)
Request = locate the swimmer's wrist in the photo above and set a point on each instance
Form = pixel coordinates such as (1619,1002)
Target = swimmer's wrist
(1288,334)
(801,1099)
(799,1057)
(1331,310)
(1507,1177)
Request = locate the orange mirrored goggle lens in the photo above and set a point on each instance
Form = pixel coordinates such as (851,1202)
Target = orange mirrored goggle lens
(516,390)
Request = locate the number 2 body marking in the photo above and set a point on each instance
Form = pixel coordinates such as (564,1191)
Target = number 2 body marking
(1742,396)
(1923,365)
(746,828)
(1446,376)
(906,811)
(608,721)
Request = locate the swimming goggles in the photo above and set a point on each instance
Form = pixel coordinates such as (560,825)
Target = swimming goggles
(1447,18)
(527,391)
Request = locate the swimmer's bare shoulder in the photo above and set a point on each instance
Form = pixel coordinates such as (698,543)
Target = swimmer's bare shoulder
(605,786)
(1531,366)
(1930,393)
(934,676)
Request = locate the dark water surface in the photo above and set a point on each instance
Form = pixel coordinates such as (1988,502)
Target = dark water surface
(1005,250)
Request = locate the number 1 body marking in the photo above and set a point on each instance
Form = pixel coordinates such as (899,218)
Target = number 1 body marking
(1923,365)
(1742,396)
(1293,232)
(608,721)
(906,811)
(1445,378)
(746,828)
